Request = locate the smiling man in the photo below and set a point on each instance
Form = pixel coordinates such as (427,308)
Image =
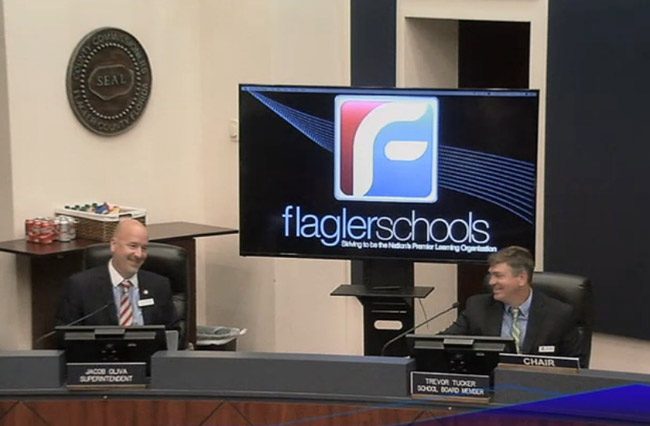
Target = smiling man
(538,323)
(119,293)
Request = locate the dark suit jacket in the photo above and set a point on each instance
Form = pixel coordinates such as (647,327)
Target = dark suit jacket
(90,290)
(550,323)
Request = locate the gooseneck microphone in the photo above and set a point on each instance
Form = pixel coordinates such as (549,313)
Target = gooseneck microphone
(428,320)
(77,321)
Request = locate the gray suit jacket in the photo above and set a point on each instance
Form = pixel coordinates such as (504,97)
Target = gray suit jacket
(550,323)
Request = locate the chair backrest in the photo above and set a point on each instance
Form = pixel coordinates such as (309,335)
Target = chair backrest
(163,259)
(573,290)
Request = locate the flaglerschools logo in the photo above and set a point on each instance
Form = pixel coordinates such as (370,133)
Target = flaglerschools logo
(386,149)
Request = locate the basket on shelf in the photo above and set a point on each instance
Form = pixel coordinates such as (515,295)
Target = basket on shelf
(100,227)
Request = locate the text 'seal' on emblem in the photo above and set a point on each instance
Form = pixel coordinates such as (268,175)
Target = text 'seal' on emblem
(108,81)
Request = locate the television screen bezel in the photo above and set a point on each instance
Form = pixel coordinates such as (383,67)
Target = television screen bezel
(392,91)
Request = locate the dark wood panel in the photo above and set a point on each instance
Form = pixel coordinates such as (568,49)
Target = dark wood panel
(226,414)
(176,412)
(47,276)
(219,412)
(124,412)
(167,230)
(19,414)
(334,414)
(5,406)
(157,232)
(73,412)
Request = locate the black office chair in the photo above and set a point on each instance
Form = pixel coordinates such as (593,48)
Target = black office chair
(573,290)
(163,259)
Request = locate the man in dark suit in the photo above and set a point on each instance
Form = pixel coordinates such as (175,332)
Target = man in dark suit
(538,323)
(119,293)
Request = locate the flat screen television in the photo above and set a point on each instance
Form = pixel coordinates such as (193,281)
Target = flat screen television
(362,173)
(94,344)
(458,354)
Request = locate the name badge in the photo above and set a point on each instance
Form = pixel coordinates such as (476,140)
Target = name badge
(550,349)
(145,302)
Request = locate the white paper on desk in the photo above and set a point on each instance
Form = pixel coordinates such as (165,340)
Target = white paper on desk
(217,335)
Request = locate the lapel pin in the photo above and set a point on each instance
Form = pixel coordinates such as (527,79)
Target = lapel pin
(145,291)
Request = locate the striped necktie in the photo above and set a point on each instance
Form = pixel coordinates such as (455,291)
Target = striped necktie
(126,309)
(515,332)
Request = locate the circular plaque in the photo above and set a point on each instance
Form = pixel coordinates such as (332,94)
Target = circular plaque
(108,81)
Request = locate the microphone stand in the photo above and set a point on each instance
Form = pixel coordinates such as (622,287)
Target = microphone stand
(77,321)
(399,336)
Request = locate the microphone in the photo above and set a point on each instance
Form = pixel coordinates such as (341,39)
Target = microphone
(77,321)
(428,320)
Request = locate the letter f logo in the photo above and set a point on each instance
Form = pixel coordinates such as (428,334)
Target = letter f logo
(386,149)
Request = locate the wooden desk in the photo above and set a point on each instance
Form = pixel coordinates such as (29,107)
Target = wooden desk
(149,411)
(50,264)
(220,388)
(261,389)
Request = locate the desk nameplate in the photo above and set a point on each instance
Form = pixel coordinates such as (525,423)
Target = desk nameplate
(542,362)
(106,375)
(452,387)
